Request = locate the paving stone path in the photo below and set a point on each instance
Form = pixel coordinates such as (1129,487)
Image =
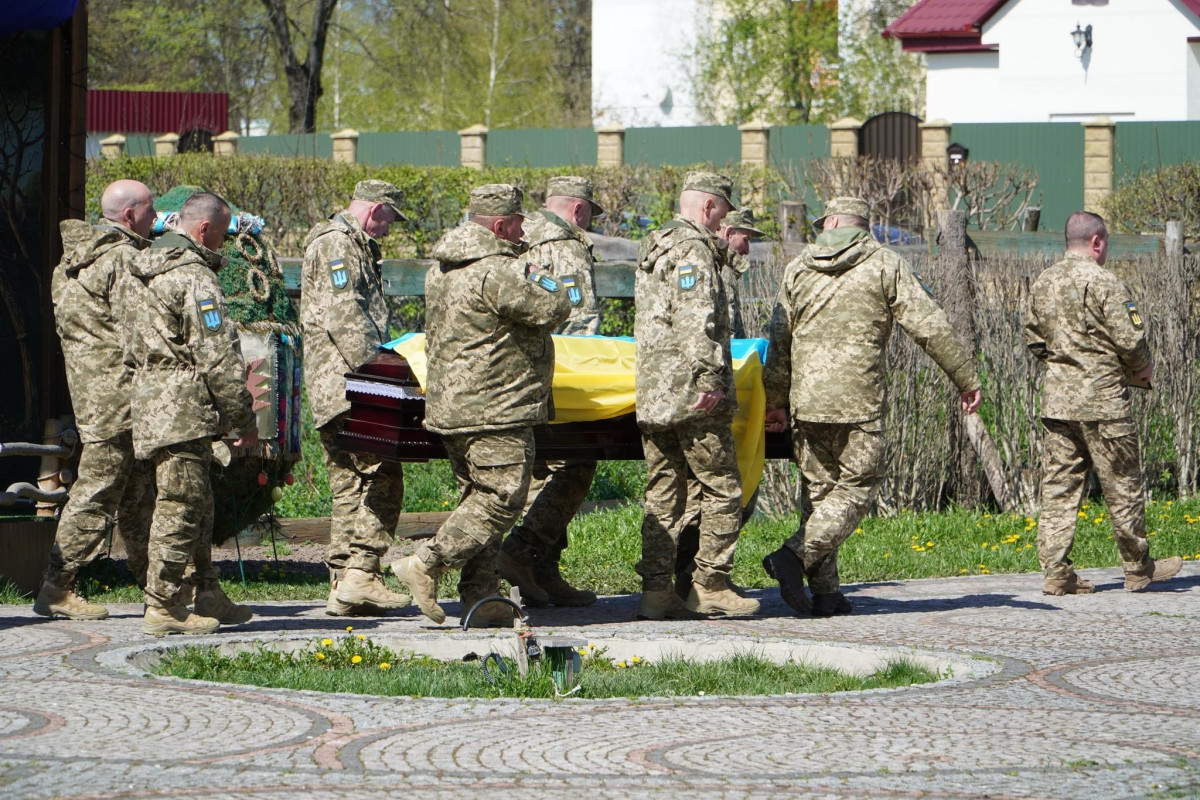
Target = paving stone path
(1077,697)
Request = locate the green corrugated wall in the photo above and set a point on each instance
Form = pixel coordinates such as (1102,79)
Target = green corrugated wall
(419,148)
(315,145)
(1147,145)
(541,147)
(715,144)
(1054,151)
(792,147)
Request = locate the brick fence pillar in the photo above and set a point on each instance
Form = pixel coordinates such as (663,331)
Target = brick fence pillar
(843,138)
(935,138)
(1099,136)
(226,144)
(474,146)
(112,146)
(610,146)
(756,143)
(166,145)
(345,146)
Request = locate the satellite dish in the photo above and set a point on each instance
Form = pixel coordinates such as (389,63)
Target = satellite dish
(667,104)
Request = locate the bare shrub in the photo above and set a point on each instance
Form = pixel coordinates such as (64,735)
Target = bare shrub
(994,195)
(894,190)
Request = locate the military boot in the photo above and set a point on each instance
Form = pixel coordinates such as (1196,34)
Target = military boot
(519,574)
(830,604)
(488,615)
(160,621)
(336,608)
(1072,584)
(58,601)
(721,598)
(422,582)
(357,587)
(213,602)
(1153,572)
(786,567)
(665,604)
(558,590)
(186,596)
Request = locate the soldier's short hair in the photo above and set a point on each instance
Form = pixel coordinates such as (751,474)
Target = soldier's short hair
(1082,226)
(203,206)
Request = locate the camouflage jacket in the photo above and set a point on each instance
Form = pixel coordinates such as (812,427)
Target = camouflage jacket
(487,335)
(564,251)
(733,267)
(90,323)
(1081,321)
(681,326)
(189,380)
(831,325)
(343,311)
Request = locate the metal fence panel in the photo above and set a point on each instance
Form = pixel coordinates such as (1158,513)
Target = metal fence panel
(1052,150)
(310,145)
(419,148)
(535,147)
(1149,145)
(719,145)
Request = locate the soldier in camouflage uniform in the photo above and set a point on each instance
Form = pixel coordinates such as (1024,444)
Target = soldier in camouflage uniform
(189,385)
(1082,322)
(686,400)
(489,315)
(345,319)
(829,336)
(110,480)
(559,246)
(736,231)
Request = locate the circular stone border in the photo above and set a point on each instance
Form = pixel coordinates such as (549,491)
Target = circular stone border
(855,659)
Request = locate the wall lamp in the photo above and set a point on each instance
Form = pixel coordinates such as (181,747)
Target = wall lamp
(1082,38)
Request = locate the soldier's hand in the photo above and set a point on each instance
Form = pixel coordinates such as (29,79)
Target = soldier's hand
(707,401)
(776,420)
(247,438)
(1146,375)
(971,401)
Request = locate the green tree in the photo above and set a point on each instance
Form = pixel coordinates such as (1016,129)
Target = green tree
(875,74)
(303,77)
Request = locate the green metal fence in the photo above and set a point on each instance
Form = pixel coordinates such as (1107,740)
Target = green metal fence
(1149,145)
(1052,150)
(792,147)
(714,144)
(419,148)
(313,145)
(541,148)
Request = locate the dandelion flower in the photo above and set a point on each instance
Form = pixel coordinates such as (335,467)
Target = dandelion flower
(349,628)
(621,665)
(326,642)
(636,659)
(929,544)
(319,656)
(362,637)
(385,665)
(356,660)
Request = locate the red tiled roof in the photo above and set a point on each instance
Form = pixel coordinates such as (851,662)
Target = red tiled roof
(946,18)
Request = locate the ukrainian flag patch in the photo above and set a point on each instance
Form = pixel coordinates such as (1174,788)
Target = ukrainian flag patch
(338,276)
(545,281)
(687,276)
(1135,316)
(574,294)
(210,315)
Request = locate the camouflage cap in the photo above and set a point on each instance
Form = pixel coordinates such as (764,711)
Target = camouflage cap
(574,186)
(496,200)
(850,206)
(381,192)
(711,183)
(743,220)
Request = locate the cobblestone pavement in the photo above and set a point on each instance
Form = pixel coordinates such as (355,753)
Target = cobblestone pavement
(1076,697)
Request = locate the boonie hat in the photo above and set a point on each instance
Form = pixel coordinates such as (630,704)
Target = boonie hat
(496,200)
(850,206)
(381,192)
(711,183)
(574,186)
(743,220)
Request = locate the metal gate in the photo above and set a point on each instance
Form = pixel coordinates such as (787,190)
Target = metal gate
(893,135)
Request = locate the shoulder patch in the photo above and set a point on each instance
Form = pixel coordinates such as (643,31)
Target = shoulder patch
(924,285)
(687,276)
(338,276)
(210,315)
(1135,316)
(574,293)
(545,281)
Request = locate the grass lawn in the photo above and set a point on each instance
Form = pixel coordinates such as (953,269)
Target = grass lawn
(606,544)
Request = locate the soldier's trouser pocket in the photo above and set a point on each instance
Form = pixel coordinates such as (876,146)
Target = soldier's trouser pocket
(183,510)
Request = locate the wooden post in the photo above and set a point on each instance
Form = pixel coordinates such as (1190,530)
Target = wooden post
(1173,242)
(1033,216)
(793,222)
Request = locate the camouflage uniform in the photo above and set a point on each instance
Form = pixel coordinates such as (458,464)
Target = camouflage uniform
(345,319)
(111,483)
(189,386)
(1082,322)
(829,334)
(489,315)
(682,334)
(558,488)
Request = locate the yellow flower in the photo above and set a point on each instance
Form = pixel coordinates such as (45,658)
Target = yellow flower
(320,656)
(362,637)
(985,571)
(349,628)
(963,571)
(621,665)
(385,665)
(636,659)
(929,544)
(887,555)
(858,530)
(356,660)
(1083,514)
(985,544)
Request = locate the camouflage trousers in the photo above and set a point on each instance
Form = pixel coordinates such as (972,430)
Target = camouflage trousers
(689,536)
(702,451)
(1069,450)
(112,487)
(556,492)
(368,494)
(183,519)
(841,466)
(493,472)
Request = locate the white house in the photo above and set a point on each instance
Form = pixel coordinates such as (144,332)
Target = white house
(1017,60)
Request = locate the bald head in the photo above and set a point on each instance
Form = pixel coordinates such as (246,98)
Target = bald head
(128,203)
(205,216)
(1087,234)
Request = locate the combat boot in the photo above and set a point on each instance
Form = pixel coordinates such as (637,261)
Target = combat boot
(186,596)
(488,615)
(213,602)
(1153,572)
(55,601)
(160,621)
(422,582)
(721,598)
(665,604)
(519,574)
(830,604)
(558,590)
(336,608)
(1072,584)
(786,567)
(357,587)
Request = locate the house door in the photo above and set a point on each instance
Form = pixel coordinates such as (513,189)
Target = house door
(893,135)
